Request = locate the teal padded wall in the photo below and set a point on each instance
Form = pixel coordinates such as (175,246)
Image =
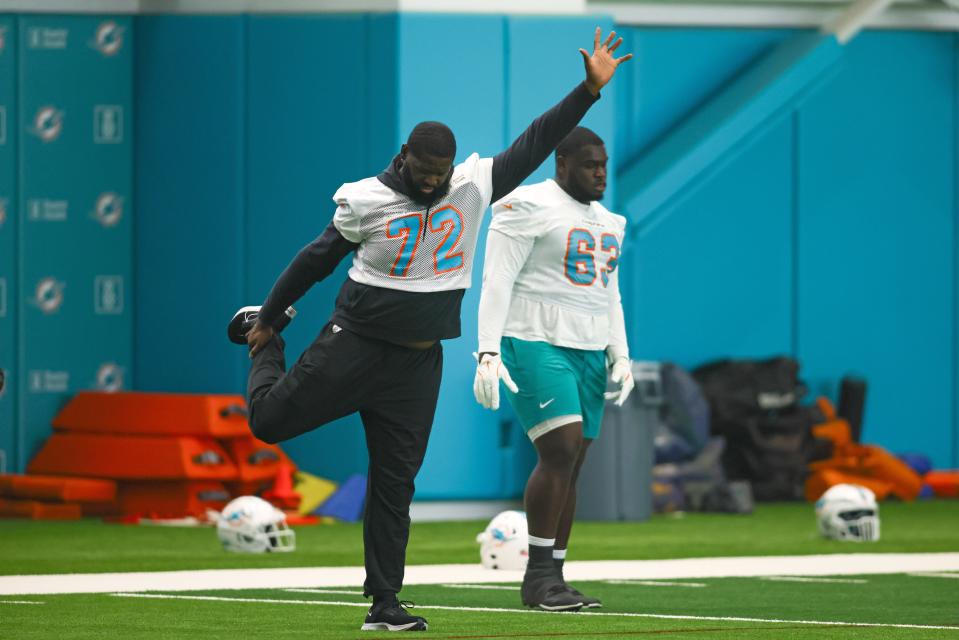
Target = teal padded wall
(191,96)
(8,241)
(75,196)
(877,224)
(830,233)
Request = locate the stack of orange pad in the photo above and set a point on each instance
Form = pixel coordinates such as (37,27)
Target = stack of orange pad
(52,497)
(171,455)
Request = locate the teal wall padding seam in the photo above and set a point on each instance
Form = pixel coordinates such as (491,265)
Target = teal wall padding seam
(955,257)
(794,246)
(749,100)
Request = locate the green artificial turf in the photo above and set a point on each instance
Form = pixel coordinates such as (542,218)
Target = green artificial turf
(28,547)
(706,612)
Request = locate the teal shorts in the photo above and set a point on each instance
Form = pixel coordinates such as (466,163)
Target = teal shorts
(557,386)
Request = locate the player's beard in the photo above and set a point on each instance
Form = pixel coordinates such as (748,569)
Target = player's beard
(413,191)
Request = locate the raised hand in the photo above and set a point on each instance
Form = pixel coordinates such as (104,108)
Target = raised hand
(601,66)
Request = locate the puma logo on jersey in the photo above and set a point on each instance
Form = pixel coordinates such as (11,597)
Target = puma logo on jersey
(543,405)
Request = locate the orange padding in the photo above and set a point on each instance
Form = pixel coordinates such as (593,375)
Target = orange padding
(130,412)
(819,481)
(57,488)
(256,461)
(871,463)
(133,457)
(945,484)
(172,499)
(39,510)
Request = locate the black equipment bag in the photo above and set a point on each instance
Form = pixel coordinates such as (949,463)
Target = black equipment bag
(755,405)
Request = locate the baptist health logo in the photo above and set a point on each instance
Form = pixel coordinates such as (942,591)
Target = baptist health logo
(45,381)
(48,295)
(108,39)
(107,124)
(109,209)
(108,295)
(47,38)
(47,123)
(110,377)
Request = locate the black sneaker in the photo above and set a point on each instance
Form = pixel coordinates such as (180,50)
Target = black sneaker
(544,590)
(588,602)
(244,319)
(391,615)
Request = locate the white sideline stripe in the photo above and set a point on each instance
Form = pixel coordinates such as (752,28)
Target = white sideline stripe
(827,580)
(659,583)
(499,587)
(934,574)
(20,602)
(658,616)
(339,577)
(337,592)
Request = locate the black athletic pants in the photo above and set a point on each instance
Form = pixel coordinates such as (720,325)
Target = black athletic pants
(393,388)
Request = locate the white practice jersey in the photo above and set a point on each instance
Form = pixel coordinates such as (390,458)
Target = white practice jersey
(407,246)
(551,261)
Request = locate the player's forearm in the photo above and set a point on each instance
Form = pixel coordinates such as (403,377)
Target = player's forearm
(539,140)
(618,346)
(313,263)
(493,311)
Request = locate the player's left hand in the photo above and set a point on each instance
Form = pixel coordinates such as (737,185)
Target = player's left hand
(601,66)
(622,374)
(489,371)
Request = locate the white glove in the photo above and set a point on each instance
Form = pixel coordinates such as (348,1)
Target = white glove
(622,375)
(489,371)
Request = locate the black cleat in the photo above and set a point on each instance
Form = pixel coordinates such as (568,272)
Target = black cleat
(391,615)
(244,319)
(588,602)
(544,590)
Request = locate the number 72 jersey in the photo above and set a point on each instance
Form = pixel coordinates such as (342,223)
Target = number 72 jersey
(409,246)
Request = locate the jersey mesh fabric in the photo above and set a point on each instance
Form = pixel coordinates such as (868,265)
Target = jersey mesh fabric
(406,246)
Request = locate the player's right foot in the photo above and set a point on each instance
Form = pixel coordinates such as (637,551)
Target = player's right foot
(545,591)
(588,602)
(391,615)
(244,319)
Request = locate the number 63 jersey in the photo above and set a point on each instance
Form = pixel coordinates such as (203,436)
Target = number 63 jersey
(560,258)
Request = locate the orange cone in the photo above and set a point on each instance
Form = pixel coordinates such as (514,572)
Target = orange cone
(282,494)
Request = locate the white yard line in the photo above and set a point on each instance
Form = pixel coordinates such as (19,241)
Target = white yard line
(935,574)
(825,580)
(493,587)
(320,577)
(337,592)
(20,602)
(659,583)
(657,616)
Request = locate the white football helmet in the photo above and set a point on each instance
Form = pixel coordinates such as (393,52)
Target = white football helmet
(848,512)
(505,542)
(253,525)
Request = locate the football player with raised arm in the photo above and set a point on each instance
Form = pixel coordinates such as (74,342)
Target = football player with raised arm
(550,321)
(413,230)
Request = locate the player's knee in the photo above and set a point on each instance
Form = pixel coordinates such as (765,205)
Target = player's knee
(263,425)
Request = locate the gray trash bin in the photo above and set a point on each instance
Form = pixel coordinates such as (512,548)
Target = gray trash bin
(615,482)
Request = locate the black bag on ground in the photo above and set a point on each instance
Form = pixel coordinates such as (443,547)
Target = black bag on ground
(755,405)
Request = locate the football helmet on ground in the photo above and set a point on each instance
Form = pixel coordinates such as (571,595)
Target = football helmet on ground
(848,512)
(253,525)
